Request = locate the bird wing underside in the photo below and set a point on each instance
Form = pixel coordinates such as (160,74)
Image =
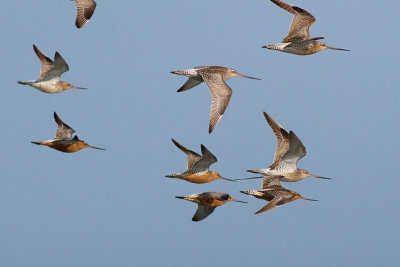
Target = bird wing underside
(46,62)
(273,204)
(302,20)
(299,28)
(192,157)
(60,66)
(295,152)
(282,137)
(221,94)
(205,162)
(63,131)
(85,10)
(202,212)
(189,84)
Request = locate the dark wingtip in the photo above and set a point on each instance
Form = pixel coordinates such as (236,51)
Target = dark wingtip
(36,143)
(179,197)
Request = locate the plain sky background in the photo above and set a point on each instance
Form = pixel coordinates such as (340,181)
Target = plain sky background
(116,208)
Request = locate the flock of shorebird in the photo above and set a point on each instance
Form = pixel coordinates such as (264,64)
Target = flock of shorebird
(289,149)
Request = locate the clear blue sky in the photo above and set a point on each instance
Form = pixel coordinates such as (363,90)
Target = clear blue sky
(115,208)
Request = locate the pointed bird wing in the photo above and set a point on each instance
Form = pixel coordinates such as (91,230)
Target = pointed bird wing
(192,157)
(63,131)
(205,162)
(85,10)
(47,63)
(221,94)
(295,152)
(60,66)
(273,204)
(302,20)
(202,212)
(189,84)
(282,138)
(271,181)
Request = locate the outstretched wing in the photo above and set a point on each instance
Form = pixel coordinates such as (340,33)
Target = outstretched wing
(295,152)
(221,94)
(46,62)
(205,162)
(301,23)
(63,131)
(202,212)
(273,204)
(192,156)
(282,138)
(60,66)
(85,10)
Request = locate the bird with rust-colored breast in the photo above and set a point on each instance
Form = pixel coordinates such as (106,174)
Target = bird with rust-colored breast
(289,150)
(50,72)
(207,202)
(298,40)
(275,193)
(85,10)
(63,141)
(214,77)
(197,166)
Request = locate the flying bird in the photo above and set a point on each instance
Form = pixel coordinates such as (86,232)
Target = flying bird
(289,150)
(50,72)
(275,193)
(298,40)
(214,77)
(207,202)
(63,141)
(85,10)
(198,166)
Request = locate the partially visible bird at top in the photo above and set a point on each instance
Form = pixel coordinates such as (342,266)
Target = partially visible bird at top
(298,40)
(63,141)
(207,202)
(289,150)
(214,77)
(50,72)
(275,193)
(85,10)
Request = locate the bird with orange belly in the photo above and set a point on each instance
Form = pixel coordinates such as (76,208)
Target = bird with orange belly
(198,166)
(207,202)
(275,193)
(63,141)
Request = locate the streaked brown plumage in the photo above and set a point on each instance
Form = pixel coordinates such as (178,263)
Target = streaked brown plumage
(289,150)
(275,193)
(298,40)
(85,10)
(207,202)
(63,141)
(214,77)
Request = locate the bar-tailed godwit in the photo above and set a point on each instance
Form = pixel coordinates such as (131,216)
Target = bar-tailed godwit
(85,10)
(214,77)
(207,202)
(275,193)
(63,141)
(289,150)
(298,40)
(50,72)
(198,166)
